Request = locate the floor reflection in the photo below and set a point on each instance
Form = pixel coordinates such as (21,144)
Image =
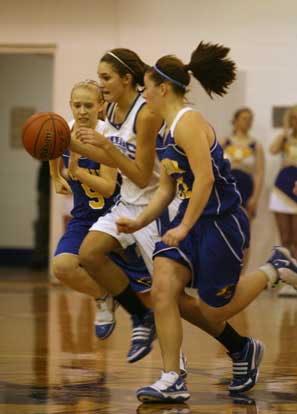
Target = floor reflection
(51,361)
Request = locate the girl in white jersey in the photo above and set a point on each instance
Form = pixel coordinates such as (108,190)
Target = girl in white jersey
(128,144)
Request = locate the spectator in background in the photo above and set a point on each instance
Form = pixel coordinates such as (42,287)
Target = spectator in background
(283,200)
(246,158)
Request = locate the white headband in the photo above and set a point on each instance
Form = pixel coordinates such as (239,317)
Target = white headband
(121,61)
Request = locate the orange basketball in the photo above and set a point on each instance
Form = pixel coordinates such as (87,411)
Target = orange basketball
(46,135)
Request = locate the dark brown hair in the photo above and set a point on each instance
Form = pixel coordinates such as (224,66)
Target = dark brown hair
(209,65)
(126,61)
(241,111)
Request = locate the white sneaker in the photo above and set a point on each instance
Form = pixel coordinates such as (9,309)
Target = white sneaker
(105,319)
(169,388)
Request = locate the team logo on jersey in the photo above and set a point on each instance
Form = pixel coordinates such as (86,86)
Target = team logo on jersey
(125,147)
(172,167)
(226,291)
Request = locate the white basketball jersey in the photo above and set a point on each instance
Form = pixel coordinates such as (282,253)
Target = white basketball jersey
(123,135)
(99,127)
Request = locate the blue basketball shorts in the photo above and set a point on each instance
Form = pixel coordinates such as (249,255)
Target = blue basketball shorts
(129,260)
(213,251)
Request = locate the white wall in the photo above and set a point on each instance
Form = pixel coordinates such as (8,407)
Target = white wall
(262,36)
(18,178)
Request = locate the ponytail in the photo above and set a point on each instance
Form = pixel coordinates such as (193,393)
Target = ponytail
(211,67)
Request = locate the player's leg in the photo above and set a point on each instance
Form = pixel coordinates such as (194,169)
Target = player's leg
(170,279)
(67,269)
(223,294)
(94,256)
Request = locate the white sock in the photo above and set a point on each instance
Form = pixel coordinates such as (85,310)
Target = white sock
(271,274)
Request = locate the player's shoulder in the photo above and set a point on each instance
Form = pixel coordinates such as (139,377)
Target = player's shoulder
(191,120)
(147,118)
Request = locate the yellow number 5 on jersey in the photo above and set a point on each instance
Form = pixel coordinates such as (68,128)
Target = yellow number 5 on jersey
(97,201)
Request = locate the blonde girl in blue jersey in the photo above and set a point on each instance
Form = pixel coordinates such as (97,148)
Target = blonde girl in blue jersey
(94,188)
(204,244)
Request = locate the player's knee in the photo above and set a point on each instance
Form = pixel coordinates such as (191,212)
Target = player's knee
(63,267)
(162,296)
(89,257)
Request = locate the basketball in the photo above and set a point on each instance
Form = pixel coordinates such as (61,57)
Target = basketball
(46,135)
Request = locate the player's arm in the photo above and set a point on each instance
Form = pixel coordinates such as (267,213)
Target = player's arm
(159,202)
(91,151)
(191,135)
(61,185)
(103,184)
(277,144)
(139,171)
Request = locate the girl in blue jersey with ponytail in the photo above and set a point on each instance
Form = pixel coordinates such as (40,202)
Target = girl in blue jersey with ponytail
(204,244)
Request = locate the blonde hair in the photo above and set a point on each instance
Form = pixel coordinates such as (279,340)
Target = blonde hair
(288,115)
(88,84)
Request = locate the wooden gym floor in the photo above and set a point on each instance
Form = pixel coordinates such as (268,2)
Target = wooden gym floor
(50,361)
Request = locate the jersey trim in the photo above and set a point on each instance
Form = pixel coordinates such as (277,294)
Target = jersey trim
(111,114)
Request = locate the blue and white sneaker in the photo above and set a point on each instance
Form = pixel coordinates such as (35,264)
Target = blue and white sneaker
(285,265)
(246,366)
(183,365)
(168,389)
(105,320)
(143,335)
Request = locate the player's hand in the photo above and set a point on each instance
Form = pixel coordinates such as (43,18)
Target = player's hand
(174,236)
(126,225)
(61,185)
(295,188)
(90,136)
(73,164)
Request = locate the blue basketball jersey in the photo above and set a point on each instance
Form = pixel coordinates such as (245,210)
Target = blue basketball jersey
(224,196)
(87,203)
